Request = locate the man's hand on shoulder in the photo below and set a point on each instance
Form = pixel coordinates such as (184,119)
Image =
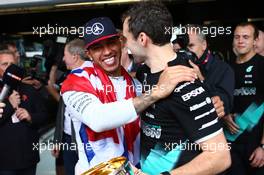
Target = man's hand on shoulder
(170,78)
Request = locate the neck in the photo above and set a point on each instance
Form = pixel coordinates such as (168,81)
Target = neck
(78,64)
(262,53)
(245,57)
(159,56)
(116,73)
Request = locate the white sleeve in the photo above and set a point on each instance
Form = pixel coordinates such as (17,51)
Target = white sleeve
(88,109)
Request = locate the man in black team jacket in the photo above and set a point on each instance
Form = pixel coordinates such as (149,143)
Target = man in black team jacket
(247,149)
(22,116)
(172,129)
(217,75)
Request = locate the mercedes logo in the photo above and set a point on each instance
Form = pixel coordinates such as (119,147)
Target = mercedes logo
(97,28)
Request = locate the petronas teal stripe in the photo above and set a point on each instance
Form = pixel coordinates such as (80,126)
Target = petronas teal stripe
(247,120)
(159,160)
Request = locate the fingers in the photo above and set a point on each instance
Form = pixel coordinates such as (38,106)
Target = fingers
(252,156)
(220,111)
(178,68)
(257,158)
(133,168)
(255,161)
(192,64)
(27,78)
(171,77)
(219,106)
(215,99)
(14,99)
(177,72)
(231,125)
(1,112)
(2,105)
(262,163)
(139,172)
(197,70)
(234,125)
(22,114)
(182,77)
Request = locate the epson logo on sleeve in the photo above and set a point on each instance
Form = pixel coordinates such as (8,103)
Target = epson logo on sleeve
(193,93)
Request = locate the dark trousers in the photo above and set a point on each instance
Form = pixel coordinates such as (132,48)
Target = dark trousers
(240,154)
(70,157)
(26,171)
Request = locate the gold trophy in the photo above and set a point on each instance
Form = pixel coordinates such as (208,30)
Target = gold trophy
(115,166)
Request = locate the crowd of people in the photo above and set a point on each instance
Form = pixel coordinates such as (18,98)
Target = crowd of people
(183,110)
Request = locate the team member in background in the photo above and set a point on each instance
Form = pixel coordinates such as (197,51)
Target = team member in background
(247,149)
(217,75)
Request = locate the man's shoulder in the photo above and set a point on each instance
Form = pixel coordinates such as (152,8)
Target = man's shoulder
(259,58)
(188,91)
(218,64)
(78,81)
(182,58)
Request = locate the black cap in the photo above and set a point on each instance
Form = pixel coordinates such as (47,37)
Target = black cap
(98,29)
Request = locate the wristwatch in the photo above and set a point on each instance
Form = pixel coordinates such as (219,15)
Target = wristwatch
(262,145)
(165,173)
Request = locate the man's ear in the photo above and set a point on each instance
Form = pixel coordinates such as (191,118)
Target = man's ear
(204,45)
(255,41)
(143,38)
(88,54)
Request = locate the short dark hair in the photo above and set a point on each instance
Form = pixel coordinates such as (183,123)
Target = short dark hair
(151,18)
(244,24)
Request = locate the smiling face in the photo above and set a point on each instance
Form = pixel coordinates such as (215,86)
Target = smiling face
(244,40)
(107,54)
(133,44)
